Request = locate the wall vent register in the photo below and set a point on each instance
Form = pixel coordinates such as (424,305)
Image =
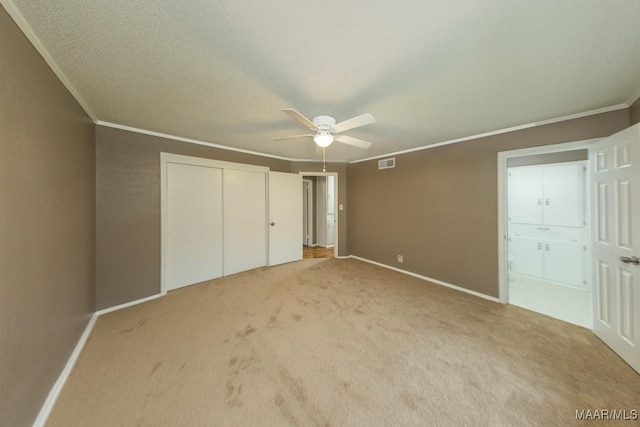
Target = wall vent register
(387,163)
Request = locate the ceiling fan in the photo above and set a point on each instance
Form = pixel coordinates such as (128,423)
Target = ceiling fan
(327,129)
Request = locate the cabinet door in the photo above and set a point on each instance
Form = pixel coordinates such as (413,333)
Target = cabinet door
(526,256)
(564,194)
(525,195)
(565,262)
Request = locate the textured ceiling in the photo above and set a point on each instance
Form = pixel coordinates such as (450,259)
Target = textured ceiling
(429,71)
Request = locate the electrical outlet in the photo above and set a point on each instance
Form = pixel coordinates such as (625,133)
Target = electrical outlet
(400,258)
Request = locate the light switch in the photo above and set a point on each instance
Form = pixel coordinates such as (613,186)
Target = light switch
(340,207)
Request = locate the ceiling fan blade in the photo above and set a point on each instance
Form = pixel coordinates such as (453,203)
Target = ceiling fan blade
(354,122)
(299,117)
(353,141)
(293,136)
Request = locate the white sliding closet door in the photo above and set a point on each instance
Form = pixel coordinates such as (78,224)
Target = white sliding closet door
(194,224)
(245,220)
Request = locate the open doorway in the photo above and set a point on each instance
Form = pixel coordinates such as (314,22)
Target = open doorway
(545,225)
(320,219)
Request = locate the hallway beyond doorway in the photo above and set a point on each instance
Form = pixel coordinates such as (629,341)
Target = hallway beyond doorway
(309,252)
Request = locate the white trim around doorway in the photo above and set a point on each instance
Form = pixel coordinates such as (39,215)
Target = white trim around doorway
(503,157)
(335,196)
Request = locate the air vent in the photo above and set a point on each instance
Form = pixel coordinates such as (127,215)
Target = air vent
(387,163)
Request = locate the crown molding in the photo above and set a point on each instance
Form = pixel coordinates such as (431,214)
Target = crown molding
(501,131)
(634,98)
(191,141)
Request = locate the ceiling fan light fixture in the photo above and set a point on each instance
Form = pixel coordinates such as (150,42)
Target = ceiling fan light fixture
(323,138)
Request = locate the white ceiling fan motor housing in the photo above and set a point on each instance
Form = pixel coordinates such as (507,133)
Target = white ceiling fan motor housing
(324,122)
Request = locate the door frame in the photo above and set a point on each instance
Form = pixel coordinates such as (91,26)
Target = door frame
(503,157)
(335,197)
(166,158)
(309,222)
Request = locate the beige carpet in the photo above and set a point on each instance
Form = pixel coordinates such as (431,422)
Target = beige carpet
(337,343)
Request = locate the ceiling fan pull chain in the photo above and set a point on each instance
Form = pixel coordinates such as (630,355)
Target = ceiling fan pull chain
(324,160)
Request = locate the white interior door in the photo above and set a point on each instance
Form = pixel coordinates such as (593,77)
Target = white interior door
(615,166)
(194,224)
(245,216)
(285,217)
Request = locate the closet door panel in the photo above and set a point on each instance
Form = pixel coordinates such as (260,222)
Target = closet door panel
(194,221)
(564,195)
(245,220)
(525,195)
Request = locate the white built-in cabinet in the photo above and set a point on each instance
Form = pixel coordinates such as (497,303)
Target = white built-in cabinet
(547,222)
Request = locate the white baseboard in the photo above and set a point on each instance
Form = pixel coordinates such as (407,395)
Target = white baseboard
(129,304)
(64,375)
(45,411)
(429,279)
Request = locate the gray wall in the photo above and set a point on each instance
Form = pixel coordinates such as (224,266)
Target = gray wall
(439,207)
(47,243)
(634,113)
(128,209)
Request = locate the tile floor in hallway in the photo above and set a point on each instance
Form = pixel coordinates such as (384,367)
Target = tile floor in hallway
(561,302)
